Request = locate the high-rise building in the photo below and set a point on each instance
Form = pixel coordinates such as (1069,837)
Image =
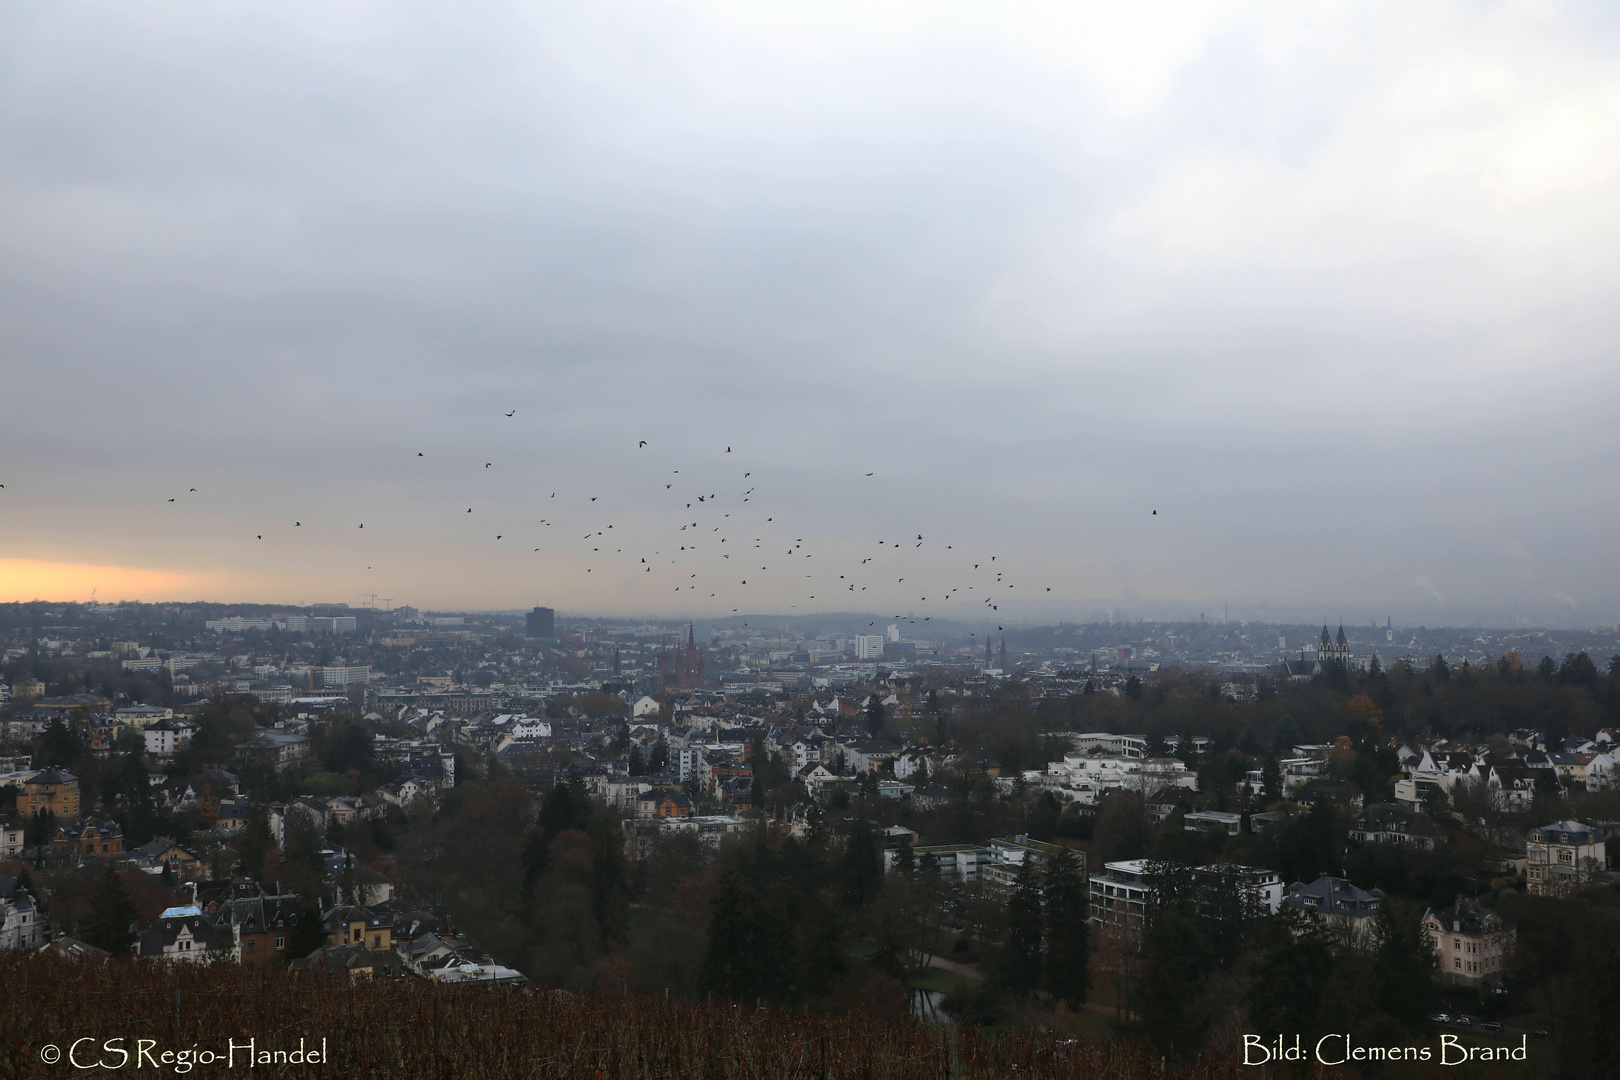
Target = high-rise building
(894,631)
(542,623)
(869,646)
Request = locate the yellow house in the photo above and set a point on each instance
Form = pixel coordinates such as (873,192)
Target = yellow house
(356,925)
(52,791)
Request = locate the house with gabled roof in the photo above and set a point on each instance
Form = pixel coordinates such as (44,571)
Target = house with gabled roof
(265,926)
(1473,944)
(1392,823)
(186,934)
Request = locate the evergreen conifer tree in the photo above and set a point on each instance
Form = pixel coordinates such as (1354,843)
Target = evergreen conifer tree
(111,922)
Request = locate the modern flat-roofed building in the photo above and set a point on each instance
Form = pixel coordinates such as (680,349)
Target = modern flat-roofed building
(1202,820)
(541,623)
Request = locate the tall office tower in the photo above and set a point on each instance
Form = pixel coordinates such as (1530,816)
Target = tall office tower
(542,623)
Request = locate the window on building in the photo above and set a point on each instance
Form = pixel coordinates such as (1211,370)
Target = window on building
(250,946)
(281,943)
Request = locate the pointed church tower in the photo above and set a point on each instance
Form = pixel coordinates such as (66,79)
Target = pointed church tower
(1003,652)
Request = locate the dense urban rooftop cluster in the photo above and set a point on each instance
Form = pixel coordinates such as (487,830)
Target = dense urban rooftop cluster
(507,798)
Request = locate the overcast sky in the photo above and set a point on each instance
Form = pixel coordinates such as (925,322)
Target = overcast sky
(1332,287)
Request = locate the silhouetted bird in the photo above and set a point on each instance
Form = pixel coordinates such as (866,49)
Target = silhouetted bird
(643,443)
(512,412)
(1155,513)
(487,464)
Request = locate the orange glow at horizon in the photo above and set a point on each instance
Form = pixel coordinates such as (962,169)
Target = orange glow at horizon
(22,580)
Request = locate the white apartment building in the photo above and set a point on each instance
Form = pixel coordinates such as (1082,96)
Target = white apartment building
(358,675)
(164,738)
(1121,894)
(869,647)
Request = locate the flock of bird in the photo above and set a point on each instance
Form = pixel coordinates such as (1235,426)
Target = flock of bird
(723,546)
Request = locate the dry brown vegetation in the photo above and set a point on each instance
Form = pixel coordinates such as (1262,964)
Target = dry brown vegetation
(415,1028)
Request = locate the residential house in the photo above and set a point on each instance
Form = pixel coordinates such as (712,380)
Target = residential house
(185,933)
(52,791)
(12,835)
(265,926)
(1394,823)
(20,926)
(1204,820)
(14,760)
(1122,893)
(141,717)
(359,961)
(1473,944)
(165,738)
(1010,854)
(1563,858)
(663,803)
(1340,905)
(234,815)
(487,974)
(356,925)
(960,861)
(162,852)
(89,836)
(1336,792)
(279,749)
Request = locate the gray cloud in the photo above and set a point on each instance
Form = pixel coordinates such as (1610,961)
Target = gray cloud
(1330,291)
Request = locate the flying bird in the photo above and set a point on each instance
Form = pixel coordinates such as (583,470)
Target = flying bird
(362,525)
(511,413)
(643,443)
(1155,513)
(193,489)
(171,500)
(296,523)
(487,464)
(419,453)
(261,536)
(728,449)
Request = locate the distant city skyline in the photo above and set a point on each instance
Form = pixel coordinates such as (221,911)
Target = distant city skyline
(1165,307)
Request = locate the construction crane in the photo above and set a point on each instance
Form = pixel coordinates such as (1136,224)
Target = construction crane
(372,601)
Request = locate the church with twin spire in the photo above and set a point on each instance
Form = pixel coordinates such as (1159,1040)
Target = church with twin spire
(1329,651)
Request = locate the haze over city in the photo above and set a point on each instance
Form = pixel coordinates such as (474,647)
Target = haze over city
(1304,311)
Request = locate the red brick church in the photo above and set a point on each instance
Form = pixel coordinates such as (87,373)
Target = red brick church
(683,668)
